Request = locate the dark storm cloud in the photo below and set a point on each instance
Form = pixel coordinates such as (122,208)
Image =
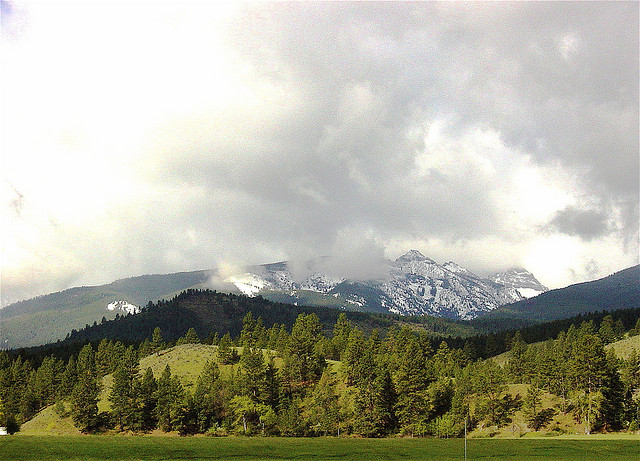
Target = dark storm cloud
(587,224)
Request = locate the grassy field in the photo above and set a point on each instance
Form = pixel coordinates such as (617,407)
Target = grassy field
(89,448)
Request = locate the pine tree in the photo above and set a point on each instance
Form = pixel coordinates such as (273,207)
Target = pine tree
(272,385)
(190,337)
(341,332)
(146,390)
(532,402)
(156,340)
(412,380)
(208,397)
(606,332)
(226,353)
(323,406)
(123,395)
(518,368)
(302,362)
(253,366)
(169,394)
(104,357)
(68,378)
(374,405)
(84,399)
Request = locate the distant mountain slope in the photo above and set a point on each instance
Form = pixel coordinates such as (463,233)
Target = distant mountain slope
(50,317)
(413,284)
(209,312)
(617,291)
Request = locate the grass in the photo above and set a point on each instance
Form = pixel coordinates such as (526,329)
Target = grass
(89,448)
(623,348)
(48,422)
(186,361)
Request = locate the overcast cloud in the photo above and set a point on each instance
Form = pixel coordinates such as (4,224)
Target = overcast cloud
(140,137)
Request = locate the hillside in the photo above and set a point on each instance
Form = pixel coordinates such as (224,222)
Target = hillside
(51,317)
(210,312)
(625,347)
(617,291)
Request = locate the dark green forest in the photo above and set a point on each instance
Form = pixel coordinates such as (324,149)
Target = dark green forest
(391,380)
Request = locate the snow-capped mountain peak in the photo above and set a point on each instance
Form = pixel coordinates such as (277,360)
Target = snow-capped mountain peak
(521,280)
(413,284)
(414,255)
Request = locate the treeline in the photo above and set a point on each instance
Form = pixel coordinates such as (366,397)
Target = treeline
(283,381)
(210,313)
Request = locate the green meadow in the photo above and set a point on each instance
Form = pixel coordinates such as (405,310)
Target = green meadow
(103,447)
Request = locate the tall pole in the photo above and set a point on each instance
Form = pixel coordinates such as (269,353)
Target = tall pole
(465,438)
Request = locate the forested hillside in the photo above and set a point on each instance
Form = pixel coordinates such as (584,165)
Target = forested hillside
(209,312)
(298,381)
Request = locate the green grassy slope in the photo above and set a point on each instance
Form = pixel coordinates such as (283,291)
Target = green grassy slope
(624,347)
(48,422)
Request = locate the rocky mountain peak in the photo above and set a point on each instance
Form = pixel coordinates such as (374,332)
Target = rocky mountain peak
(414,255)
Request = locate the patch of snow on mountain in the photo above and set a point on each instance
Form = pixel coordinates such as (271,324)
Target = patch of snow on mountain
(529,292)
(248,284)
(123,306)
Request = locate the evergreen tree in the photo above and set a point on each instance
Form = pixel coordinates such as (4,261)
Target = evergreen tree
(124,396)
(247,338)
(272,385)
(84,398)
(302,363)
(518,366)
(341,332)
(190,337)
(490,385)
(374,405)
(146,390)
(169,394)
(412,379)
(208,397)
(606,332)
(253,366)
(68,378)
(226,353)
(156,340)
(104,356)
(532,406)
(324,412)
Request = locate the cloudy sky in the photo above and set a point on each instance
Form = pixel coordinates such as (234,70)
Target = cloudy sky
(150,137)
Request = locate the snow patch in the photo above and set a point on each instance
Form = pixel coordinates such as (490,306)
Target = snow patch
(248,284)
(529,292)
(123,306)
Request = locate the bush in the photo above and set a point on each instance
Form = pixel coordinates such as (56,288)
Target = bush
(12,424)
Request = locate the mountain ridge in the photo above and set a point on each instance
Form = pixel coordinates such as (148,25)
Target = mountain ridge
(619,290)
(413,284)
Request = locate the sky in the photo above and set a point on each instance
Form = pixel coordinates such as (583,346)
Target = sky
(150,137)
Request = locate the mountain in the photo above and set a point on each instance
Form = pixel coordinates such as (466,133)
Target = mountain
(617,291)
(51,317)
(521,280)
(413,284)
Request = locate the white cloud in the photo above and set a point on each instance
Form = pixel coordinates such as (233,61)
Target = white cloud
(164,137)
